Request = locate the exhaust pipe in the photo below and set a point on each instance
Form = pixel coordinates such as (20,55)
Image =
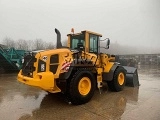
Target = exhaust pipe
(59,44)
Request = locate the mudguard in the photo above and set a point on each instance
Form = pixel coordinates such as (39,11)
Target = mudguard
(109,76)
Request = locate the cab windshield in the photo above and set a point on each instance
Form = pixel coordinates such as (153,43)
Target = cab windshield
(75,39)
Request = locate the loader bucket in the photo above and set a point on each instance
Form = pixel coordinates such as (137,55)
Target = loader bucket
(132,79)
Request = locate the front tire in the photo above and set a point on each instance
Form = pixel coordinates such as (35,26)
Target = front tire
(81,87)
(119,80)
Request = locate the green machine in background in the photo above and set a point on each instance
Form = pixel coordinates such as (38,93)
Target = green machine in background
(11,59)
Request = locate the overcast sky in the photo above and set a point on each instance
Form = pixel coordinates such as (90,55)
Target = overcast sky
(129,22)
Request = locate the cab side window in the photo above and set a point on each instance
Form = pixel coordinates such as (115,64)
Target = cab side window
(93,43)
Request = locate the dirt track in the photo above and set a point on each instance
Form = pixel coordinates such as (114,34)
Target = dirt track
(21,102)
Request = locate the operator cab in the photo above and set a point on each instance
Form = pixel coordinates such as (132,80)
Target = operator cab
(77,42)
(85,41)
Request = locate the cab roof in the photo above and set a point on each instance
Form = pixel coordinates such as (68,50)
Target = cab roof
(87,32)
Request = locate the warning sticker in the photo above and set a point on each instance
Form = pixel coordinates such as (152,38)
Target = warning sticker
(66,66)
(44,58)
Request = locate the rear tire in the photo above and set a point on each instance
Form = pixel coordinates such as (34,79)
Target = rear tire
(81,87)
(119,80)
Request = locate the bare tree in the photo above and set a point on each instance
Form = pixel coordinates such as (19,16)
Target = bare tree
(22,44)
(49,45)
(65,43)
(9,42)
(31,45)
(39,44)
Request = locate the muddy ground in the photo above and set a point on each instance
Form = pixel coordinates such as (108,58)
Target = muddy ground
(22,102)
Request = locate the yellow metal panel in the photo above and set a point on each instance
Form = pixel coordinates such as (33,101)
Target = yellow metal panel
(44,80)
(36,64)
(92,33)
(54,51)
(63,58)
(108,66)
(69,42)
(99,71)
(86,42)
(99,77)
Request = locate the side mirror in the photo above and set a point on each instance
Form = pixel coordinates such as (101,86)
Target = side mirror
(108,43)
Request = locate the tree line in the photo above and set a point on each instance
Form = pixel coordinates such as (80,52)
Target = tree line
(39,44)
(22,44)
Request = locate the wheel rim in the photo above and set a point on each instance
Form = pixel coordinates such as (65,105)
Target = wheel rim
(121,78)
(84,86)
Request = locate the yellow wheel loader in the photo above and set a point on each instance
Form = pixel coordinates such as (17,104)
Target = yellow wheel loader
(76,70)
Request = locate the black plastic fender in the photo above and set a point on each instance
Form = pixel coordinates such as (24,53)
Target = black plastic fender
(78,65)
(109,76)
